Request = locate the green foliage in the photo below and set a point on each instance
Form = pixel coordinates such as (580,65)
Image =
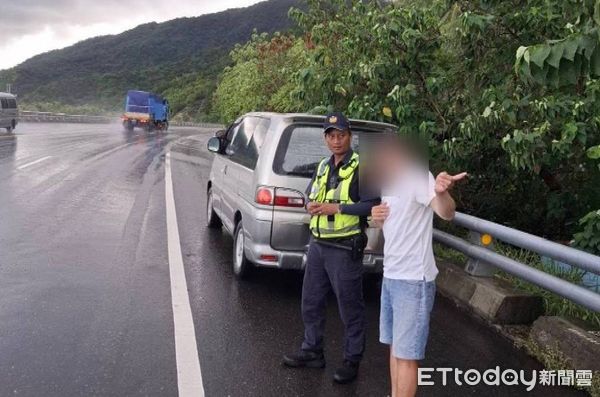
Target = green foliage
(261,78)
(560,62)
(447,254)
(565,61)
(444,70)
(589,238)
(373,61)
(565,75)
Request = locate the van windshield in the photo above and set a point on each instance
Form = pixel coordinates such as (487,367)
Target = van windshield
(302,148)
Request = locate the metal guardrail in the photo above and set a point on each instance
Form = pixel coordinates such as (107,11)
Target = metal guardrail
(52,117)
(31,116)
(568,255)
(193,124)
(572,256)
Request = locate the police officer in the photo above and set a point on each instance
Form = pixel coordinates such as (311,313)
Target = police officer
(334,258)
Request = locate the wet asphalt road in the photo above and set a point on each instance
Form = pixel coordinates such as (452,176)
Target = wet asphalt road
(85,291)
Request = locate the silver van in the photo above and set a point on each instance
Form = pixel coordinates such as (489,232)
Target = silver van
(262,166)
(9,115)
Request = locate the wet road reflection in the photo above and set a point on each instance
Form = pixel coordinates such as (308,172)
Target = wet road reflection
(85,287)
(83,278)
(8,147)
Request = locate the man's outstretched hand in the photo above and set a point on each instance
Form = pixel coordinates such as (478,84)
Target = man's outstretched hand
(445,181)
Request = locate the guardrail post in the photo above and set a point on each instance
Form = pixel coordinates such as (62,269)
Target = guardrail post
(476,267)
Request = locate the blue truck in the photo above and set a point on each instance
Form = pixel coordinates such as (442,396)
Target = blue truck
(146,110)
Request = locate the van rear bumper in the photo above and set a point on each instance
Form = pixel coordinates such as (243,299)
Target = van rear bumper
(265,256)
(258,248)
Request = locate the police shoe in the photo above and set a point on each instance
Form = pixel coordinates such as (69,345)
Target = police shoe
(304,358)
(346,373)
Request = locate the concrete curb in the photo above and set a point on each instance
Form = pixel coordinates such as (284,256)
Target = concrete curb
(493,299)
(575,342)
(517,316)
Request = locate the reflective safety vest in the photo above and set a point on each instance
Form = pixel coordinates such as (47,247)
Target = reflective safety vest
(338,225)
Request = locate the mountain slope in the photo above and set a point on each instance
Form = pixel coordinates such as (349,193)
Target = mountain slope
(182,56)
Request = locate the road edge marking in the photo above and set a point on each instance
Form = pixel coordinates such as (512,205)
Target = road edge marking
(189,375)
(33,162)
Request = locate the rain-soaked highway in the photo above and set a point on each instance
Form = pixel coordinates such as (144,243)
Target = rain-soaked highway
(85,286)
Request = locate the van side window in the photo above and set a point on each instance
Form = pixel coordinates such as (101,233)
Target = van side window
(4,103)
(231,131)
(260,133)
(12,103)
(247,141)
(237,140)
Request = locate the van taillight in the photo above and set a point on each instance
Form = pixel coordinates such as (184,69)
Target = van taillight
(289,198)
(279,197)
(264,196)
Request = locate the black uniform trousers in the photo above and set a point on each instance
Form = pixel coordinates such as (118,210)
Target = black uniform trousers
(330,268)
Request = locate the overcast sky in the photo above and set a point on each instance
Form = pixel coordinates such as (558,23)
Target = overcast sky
(30,27)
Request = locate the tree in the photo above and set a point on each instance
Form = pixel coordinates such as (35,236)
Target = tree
(261,78)
(564,131)
(445,71)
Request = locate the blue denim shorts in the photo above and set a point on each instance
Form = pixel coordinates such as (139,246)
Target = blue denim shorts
(404,319)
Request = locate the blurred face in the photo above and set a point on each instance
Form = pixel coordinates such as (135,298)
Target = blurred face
(338,142)
(391,161)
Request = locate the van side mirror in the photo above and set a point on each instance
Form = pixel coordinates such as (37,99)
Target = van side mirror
(214,145)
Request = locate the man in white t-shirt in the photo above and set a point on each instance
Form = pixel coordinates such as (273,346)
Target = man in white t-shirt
(410,196)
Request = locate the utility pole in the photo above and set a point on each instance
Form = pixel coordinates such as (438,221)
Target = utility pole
(8,87)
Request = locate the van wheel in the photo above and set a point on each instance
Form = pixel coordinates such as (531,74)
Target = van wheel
(212,219)
(241,264)
(11,128)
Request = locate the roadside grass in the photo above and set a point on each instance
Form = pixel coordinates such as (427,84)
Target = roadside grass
(450,255)
(554,304)
(553,359)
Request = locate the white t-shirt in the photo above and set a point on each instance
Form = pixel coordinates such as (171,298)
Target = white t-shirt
(408,230)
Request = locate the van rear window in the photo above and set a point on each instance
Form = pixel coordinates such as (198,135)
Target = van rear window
(302,148)
(8,103)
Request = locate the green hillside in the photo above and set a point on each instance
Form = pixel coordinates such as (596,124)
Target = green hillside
(181,59)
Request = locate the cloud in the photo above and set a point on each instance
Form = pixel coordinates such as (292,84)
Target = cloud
(30,27)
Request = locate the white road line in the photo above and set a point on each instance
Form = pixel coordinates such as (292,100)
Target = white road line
(189,377)
(34,162)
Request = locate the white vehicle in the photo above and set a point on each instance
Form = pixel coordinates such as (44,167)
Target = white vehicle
(256,191)
(9,115)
